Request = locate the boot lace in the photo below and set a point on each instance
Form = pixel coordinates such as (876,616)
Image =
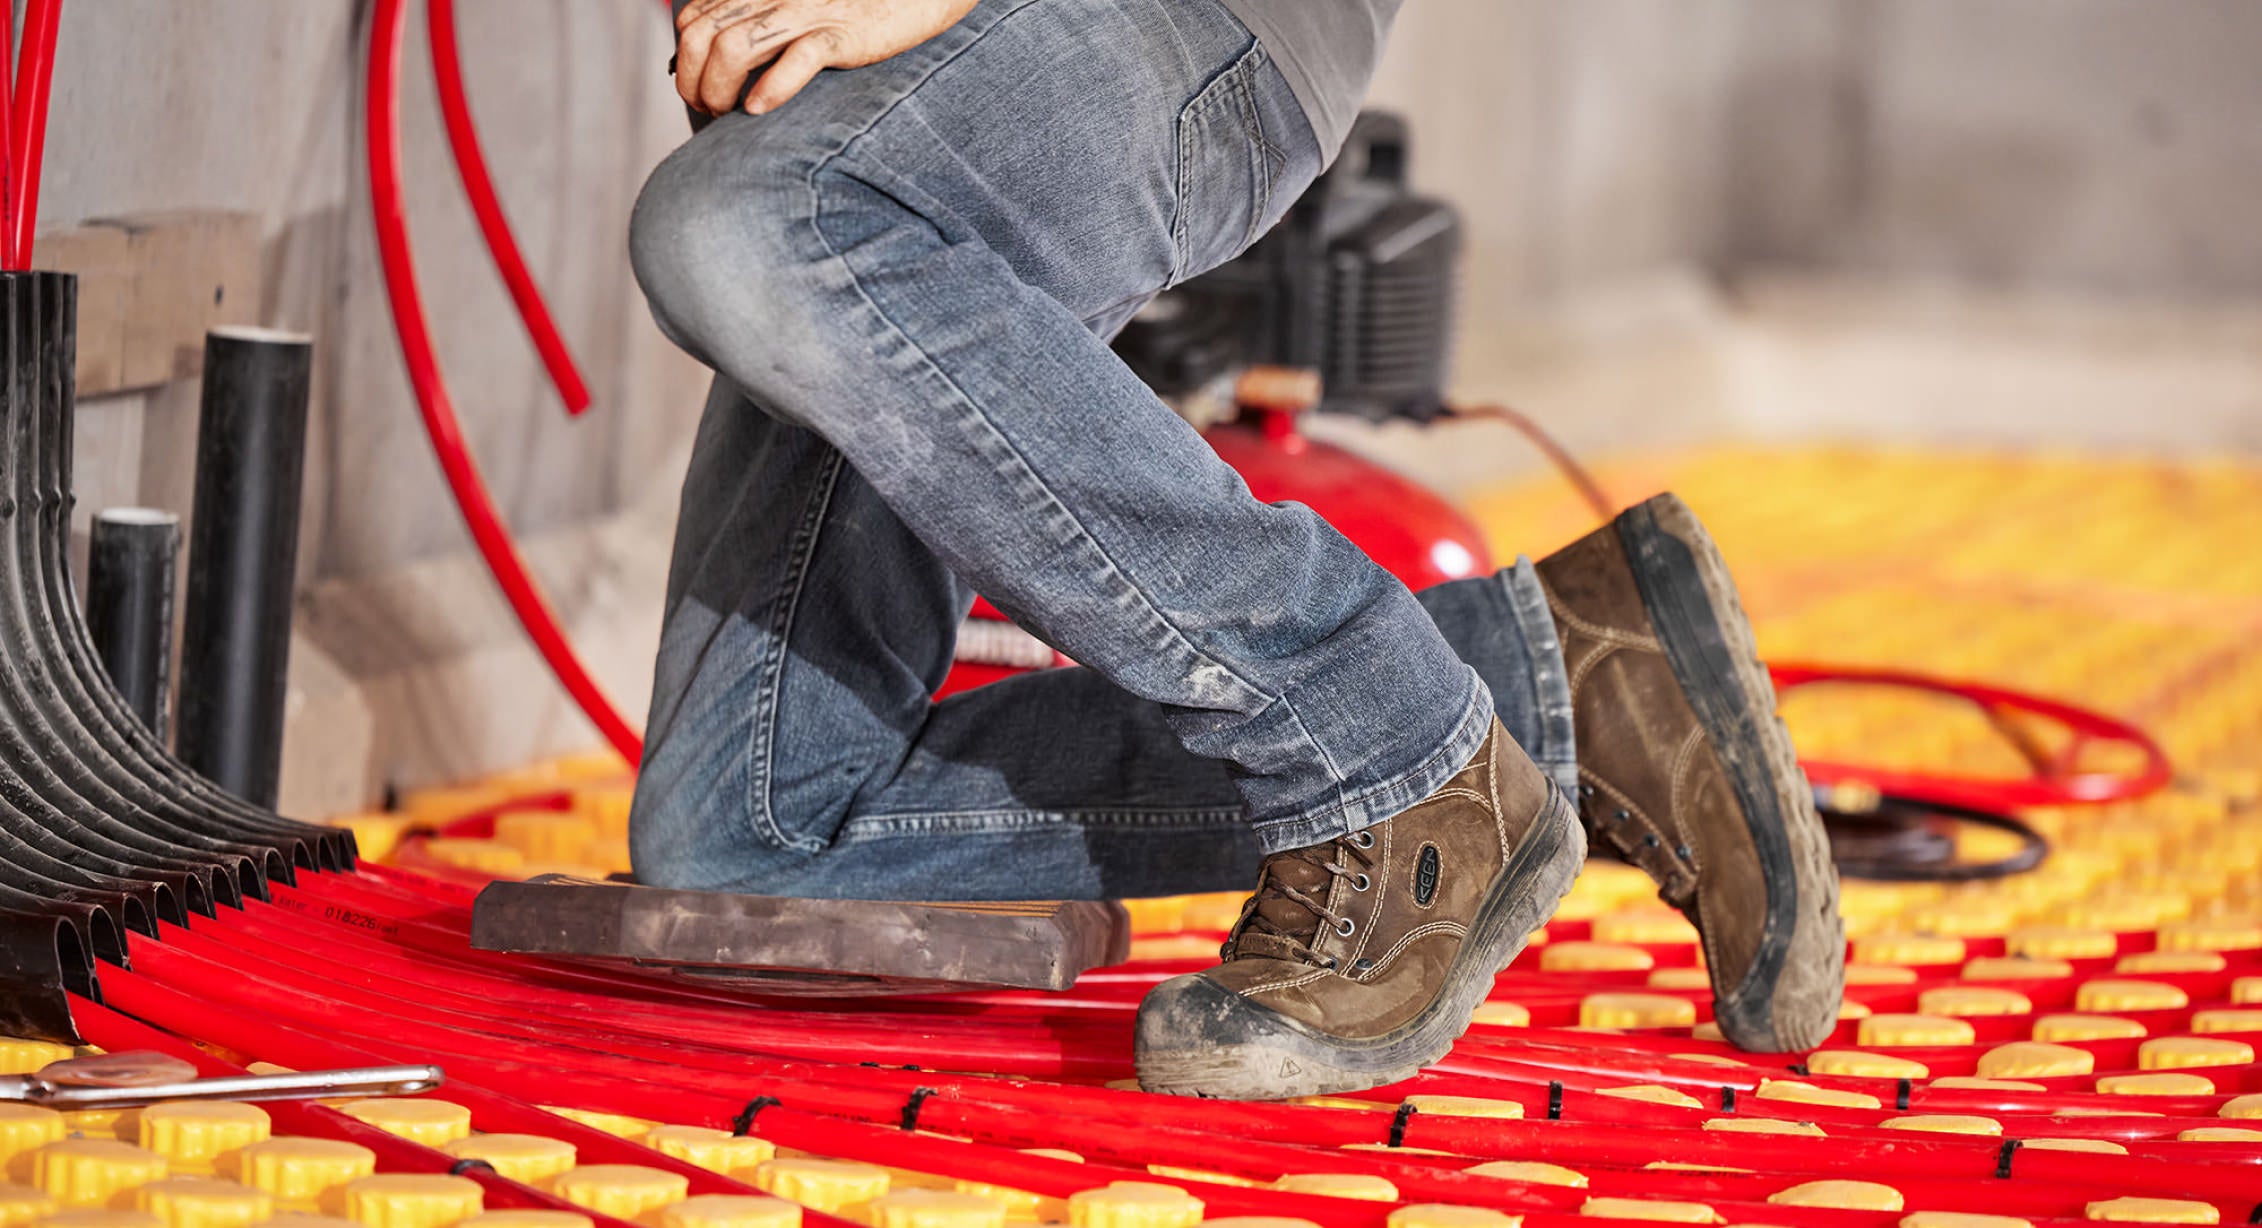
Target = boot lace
(1346,857)
(1640,843)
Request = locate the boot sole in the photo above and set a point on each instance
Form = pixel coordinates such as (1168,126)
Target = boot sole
(1268,1056)
(1789,997)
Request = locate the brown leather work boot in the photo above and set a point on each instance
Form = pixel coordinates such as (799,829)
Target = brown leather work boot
(1686,771)
(1359,960)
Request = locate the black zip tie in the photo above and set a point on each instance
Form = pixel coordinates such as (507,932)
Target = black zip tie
(873,1065)
(911,1106)
(2003,1159)
(460,1167)
(1398,1122)
(1555,1101)
(2255,1216)
(913,1066)
(743,1124)
(1799,1069)
(1727,1099)
(1901,1097)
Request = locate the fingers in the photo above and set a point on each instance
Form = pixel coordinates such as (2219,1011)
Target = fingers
(794,67)
(732,31)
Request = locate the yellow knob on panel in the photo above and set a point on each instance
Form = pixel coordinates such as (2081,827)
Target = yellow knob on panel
(717,1150)
(2028,1059)
(1961,1219)
(22,1205)
(1340,1185)
(1797,1092)
(25,1128)
(2246,990)
(1909,949)
(87,1172)
(1844,1195)
(526,1218)
(1511,1015)
(430,1122)
(1594,957)
(1466,1106)
(1897,1031)
(1945,1123)
(1653,1093)
(2086,1027)
(824,1185)
(1531,1172)
(1853,1063)
(2249,1105)
(1134,1204)
(2015,968)
(202,1202)
(2220,1134)
(2097,1145)
(731,1211)
(2162,1083)
(1879,974)
(1442,1215)
(193,1134)
(1965,1001)
(300,1171)
(1644,1208)
(933,1209)
(2153,1211)
(412,1200)
(1680,978)
(2108,994)
(1649,927)
(2052,942)
(22,1057)
(2234,1020)
(2184,1052)
(2170,961)
(623,1191)
(1635,1010)
(521,1157)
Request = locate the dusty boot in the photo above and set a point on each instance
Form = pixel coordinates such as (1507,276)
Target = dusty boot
(1685,770)
(1359,960)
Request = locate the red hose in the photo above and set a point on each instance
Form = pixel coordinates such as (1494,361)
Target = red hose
(471,164)
(27,135)
(487,529)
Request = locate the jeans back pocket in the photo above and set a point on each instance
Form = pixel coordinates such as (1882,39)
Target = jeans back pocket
(1227,168)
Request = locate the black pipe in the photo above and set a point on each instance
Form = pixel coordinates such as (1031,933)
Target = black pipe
(243,557)
(129,605)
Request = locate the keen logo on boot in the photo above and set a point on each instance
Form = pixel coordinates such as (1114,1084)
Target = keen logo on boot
(1425,876)
(1338,977)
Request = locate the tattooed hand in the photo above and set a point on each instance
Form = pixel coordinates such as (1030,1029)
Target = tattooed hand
(720,43)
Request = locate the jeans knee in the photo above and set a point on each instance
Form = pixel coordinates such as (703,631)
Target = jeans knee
(713,244)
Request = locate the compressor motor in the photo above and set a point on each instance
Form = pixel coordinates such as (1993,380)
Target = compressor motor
(1356,282)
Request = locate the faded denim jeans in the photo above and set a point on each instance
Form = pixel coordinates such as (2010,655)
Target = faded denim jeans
(905,279)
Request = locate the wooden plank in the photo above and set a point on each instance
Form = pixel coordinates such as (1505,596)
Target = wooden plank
(783,945)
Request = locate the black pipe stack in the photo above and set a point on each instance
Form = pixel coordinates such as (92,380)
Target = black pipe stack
(129,605)
(103,833)
(243,558)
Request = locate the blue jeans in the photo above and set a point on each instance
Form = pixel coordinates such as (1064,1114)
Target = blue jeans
(904,280)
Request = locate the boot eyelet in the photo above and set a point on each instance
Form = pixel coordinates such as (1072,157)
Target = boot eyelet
(1650,840)
(1684,852)
(1362,839)
(1622,815)
(1346,927)
(1361,882)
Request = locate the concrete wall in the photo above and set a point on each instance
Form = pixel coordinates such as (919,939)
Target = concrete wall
(1623,165)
